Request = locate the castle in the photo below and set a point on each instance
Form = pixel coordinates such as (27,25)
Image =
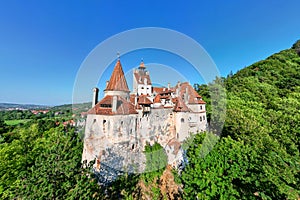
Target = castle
(120,125)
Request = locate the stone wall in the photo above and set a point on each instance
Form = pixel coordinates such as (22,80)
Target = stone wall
(119,140)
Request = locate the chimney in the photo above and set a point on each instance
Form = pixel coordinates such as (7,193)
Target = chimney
(186,95)
(95,96)
(135,100)
(168,86)
(114,104)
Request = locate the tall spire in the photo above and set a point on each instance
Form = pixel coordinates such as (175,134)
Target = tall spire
(118,55)
(117,80)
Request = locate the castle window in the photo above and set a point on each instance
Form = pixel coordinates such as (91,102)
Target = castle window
(203,117)
(182,120)
(200,119)
(132,147)
(142,88)
(94,121)
(104,123)
(200,107)
(105,105)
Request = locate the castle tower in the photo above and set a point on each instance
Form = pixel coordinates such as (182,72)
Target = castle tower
(117,84)
(141,81)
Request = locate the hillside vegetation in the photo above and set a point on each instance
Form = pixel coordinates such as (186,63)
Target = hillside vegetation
(258,154)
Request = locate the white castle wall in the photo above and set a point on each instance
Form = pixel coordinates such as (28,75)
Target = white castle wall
(103,131)
(197,107)
(161,125)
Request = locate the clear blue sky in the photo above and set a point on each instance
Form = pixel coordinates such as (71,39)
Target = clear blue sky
(43,43)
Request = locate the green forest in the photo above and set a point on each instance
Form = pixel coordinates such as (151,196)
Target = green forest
(255,157)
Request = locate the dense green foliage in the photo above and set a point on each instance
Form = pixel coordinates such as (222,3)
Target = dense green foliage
(42,160)
(16,114)
(258,154)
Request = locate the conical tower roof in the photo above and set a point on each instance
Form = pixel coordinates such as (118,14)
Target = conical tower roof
(142,65)
(117,80)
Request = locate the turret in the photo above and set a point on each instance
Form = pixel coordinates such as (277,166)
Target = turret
(117,84)
(141,81)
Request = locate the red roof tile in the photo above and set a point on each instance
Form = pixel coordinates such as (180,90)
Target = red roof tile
(180,106)
(194,97)
(162,90)
(143,100)
(132,98)
(104,107)
(117,80)
(157,99)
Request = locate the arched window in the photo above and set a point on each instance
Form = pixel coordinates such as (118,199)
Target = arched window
(200,119)
(203,117)
(103,125)
(200,107)
(182,120)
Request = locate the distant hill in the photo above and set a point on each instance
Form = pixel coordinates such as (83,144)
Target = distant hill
(6,106)
(78,106)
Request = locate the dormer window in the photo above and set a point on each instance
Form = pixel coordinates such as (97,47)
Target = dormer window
(105,105)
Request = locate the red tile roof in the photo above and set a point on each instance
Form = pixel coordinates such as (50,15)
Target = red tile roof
(117,80)
(194,97)
(180,106)
(157,99)
(162,90)
(143,100)
(132,98)
(140,77)
(104,107)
